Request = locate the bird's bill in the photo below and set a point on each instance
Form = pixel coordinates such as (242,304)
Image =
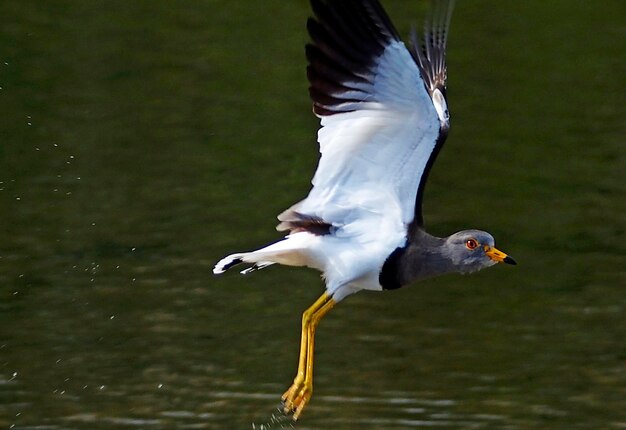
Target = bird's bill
(499,256)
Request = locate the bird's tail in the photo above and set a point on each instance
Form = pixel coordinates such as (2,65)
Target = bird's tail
(294,250)
(234,259)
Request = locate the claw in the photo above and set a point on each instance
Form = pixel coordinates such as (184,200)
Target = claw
(289,397)
(296,398)
(302,401)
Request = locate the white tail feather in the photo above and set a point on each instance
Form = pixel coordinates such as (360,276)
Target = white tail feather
(257,266)
(234,259)
(291,251)
(227,262)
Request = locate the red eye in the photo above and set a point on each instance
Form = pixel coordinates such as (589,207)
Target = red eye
(471,244)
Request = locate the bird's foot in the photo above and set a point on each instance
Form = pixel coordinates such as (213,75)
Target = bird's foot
(296,398)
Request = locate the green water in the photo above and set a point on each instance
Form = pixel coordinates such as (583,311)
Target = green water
(141,141)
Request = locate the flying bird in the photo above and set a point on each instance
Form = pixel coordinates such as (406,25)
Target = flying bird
(384,118)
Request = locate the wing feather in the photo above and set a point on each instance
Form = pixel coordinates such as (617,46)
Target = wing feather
(430,54)
(380,130)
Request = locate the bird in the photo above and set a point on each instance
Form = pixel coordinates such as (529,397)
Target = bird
(382,106)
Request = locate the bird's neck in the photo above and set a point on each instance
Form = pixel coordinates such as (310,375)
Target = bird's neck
(422,257)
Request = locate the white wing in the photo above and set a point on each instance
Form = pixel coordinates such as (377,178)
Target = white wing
(380,127)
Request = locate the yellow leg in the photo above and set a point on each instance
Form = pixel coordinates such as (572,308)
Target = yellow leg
(307,389)
(296,397)
(290,395)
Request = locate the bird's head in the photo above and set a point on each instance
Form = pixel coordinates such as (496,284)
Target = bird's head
(472,250)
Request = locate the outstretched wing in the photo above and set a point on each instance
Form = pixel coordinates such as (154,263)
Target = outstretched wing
(382,111)
(430,56)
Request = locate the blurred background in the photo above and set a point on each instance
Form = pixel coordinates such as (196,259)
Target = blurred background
(142,141)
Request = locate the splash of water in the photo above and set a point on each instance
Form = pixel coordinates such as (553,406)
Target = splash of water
(278,420)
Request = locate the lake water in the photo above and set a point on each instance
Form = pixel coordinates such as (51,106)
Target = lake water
(142,141)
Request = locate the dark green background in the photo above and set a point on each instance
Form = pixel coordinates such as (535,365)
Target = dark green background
(140,141)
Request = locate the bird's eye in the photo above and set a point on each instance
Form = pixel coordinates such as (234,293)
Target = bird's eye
(471,244)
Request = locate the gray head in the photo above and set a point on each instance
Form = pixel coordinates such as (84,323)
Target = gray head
(472,250)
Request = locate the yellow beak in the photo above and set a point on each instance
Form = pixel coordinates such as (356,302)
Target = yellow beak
(497,255)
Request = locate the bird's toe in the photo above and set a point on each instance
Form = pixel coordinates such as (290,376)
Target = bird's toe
(296,398)
(301,401)
(289,398)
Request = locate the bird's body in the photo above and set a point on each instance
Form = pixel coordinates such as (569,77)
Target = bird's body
(350,255)
(384,118)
